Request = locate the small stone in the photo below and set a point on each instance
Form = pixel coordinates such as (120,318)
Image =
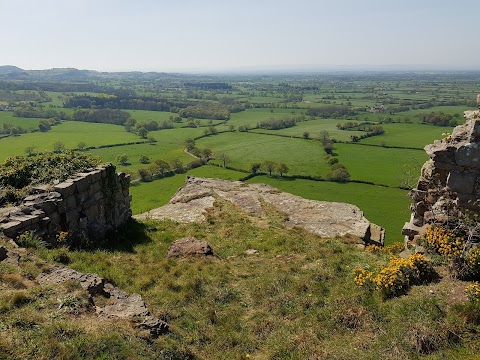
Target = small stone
(251,252)
(189,246)
(431,292)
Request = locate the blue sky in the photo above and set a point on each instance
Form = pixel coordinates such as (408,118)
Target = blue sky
(227,35)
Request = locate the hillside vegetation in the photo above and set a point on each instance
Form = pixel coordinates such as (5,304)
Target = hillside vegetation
(294,299)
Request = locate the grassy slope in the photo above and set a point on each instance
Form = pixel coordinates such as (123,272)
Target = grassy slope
(234,304)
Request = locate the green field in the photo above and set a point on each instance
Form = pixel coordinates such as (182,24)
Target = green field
(313,127)
(383,206)
(303,157)
(70,133)
(408,135)
(378,165)
(6,117)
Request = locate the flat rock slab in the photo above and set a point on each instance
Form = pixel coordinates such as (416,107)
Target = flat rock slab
(189,246)
(327,219)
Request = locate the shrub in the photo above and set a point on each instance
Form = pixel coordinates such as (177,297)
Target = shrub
(398,276)
(29,239)
(473,292)
(442,241)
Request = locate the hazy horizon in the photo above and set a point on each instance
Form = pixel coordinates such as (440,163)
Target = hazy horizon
(217,36)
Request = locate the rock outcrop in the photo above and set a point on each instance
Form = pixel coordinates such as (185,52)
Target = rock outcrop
(89,205)
(327,219)
(450,180)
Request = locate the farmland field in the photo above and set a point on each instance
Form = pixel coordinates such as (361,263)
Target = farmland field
(392,101)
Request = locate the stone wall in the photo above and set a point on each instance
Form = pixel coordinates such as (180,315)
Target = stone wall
(88,206)
(450,180)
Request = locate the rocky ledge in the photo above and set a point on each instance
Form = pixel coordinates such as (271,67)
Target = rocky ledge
(327,219)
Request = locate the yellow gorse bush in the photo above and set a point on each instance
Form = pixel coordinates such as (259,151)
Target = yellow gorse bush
(473,292)
(397,277)
(443,242)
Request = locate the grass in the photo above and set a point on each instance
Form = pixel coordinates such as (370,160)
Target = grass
(234,305)
(302,157)
(388,207)
(408,135)
(70,133)
(6,117)
(379,165)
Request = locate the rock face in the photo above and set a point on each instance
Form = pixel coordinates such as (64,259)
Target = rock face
(450,180)
(327,219)
(88,205)
(189,246)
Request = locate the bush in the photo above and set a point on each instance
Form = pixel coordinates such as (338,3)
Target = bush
(398,276)
(473,292)
(442,241)
(29,239)
(340,175)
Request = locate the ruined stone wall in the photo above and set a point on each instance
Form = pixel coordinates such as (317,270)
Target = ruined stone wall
(89,205)
(450,180)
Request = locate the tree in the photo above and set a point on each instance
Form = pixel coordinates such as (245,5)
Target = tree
(224,158)
(122,159)
(81,146)
(145,175)
(282,168)
(306,135)
(176,164)
(206,153)
(162,166)
(189,144)
(231,127)
(30,151)
(328,147)
(44,125)
(58,147)
(255,167)
(338,175)
(324,137)
(269,166)
(144,159)
(143,132)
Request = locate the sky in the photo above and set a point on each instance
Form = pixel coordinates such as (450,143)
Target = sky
(223,35)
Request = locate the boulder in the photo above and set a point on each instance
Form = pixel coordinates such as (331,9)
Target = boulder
(189,246)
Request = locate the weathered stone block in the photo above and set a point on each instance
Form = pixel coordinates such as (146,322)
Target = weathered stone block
(461,182)
(81,184)
(65,188)
(468,155)
(71,202)
(12,228)
(94,188)
(93,212)
(71,216)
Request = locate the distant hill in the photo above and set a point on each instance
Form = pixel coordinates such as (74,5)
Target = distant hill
(12,72)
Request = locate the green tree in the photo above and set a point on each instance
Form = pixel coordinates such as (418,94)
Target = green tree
(44,125)
(225,159)
(268,166)
(282,168)
(328,147)
(189,144)
(206,153)
(145,175)
(255,167)
(306,135)
(122,159)
(144,159)
(162,166)
(81,146)
(58,147)
(324,137)
(176,164)
(143,132)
